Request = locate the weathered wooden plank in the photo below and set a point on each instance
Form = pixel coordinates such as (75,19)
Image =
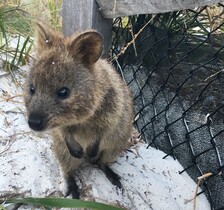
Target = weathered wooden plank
(119,8)
(79,15)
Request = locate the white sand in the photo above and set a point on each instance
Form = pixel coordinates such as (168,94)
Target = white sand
(28,166)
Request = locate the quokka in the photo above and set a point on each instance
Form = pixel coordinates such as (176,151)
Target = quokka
(81,99)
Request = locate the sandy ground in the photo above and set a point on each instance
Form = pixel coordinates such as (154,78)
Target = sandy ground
(29,167)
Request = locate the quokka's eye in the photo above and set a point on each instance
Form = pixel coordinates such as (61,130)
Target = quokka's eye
(63,93)
(32,89)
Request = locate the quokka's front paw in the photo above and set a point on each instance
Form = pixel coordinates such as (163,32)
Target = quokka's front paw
(75,149)
(92,149)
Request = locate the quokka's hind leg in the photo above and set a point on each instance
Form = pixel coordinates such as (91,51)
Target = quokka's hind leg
(104,158)
(111,175)
(73,188)
(68,152)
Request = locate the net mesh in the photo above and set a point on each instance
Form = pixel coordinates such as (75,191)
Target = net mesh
(173,64)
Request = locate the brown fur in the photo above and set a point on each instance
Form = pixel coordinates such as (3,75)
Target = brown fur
(99,107)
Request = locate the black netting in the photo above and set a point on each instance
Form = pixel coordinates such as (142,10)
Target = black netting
(175,71)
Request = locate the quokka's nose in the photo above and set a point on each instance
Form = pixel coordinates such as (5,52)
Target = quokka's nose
(35,122)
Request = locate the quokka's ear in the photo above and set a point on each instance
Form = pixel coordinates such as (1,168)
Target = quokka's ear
(46,37)
(87,47)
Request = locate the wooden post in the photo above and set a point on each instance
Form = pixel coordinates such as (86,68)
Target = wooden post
(79,15)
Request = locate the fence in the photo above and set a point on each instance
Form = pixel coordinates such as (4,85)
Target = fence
(174,68)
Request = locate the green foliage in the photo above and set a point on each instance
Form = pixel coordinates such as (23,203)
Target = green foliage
(2,207)
(15,42)
(54,7)
(199,21)
(61,203)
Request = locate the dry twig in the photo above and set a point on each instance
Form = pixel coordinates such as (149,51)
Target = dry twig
(214,75)
(10,98)
(131,42)
(115,5)
(199,182)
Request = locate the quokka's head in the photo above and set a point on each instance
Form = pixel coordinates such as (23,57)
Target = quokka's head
(60,86)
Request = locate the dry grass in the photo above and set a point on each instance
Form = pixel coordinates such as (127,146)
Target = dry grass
(45,10)
(17,24)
